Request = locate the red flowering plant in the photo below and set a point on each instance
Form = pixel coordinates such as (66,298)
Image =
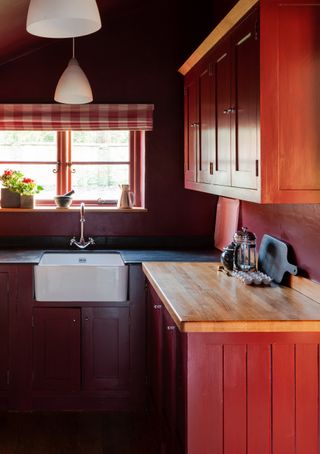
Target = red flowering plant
(27,186)
(10,179)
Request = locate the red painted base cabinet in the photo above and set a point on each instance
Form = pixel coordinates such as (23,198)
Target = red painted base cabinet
(253,393)
(166,374)
(7,300)
(238,393)
(68,355)
(4,332)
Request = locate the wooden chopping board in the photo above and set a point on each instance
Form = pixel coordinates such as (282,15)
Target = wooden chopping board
(273,258)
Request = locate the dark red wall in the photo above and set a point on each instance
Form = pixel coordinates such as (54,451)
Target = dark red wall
(299,225)
(134,58)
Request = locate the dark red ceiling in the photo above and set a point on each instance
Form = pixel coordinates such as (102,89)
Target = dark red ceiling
(14,39)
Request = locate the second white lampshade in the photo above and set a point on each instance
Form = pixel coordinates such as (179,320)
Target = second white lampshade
(63,18)
(73,86)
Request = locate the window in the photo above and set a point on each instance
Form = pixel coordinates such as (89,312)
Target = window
(93,163)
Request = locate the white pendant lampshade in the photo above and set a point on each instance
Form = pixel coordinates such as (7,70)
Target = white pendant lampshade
(73,86)
(63,18)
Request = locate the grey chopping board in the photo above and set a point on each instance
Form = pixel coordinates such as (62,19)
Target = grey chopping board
(273,258)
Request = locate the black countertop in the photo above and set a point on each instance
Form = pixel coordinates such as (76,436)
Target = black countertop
(129,256)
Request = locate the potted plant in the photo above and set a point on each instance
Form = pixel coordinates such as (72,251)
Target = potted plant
(10,197)
(27,189)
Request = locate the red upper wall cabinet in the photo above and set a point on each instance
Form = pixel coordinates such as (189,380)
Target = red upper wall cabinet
(252,105)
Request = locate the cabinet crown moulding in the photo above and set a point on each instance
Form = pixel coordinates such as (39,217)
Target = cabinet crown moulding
(230,20)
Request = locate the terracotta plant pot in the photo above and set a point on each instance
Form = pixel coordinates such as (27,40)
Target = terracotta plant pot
(26,201)
(9,199)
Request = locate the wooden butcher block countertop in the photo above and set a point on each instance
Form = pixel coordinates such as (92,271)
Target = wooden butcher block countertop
(202,299)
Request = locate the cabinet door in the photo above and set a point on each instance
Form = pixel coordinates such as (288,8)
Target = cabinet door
(191,124)
(56,349)
(207,125)
(155,348)
(223,111)
(169,376)
(105,348)
(245,99)
(4,331)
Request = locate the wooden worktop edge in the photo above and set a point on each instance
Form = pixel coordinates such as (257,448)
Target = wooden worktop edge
(230,20)
(252,326)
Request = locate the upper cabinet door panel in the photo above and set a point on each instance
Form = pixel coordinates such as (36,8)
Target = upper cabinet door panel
(223,108)
(299,96)
(245,103)
(191,123)
(207,125)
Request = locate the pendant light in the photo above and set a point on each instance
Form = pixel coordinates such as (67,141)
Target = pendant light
(63,18)
(73,86)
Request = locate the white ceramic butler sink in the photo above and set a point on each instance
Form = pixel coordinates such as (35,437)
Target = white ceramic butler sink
(82,276)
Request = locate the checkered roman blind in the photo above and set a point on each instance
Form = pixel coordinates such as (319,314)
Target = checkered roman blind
(57,117)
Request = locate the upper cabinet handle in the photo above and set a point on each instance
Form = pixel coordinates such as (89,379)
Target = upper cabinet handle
(229,110)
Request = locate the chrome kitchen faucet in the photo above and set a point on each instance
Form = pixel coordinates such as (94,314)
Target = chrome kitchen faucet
(82,243)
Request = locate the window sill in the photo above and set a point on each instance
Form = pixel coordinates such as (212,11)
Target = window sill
(46,209)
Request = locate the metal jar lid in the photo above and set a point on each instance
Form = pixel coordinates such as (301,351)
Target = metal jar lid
(229,247)
(244,236)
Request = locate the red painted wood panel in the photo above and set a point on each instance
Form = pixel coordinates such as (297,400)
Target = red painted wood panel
(4,330)
(205,397)
(298,50)
(21,330)
(56,349)
(181,386)
(191,127)
(307,399)
(283,399)
(245,99)
(169,380)
(207,143)
(222,65)
(259,398)
(105,345)
(235,399)
(155,348)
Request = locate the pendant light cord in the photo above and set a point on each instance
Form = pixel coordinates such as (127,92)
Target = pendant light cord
(73,48)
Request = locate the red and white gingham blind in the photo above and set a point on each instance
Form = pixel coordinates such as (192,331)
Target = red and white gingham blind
(57,117)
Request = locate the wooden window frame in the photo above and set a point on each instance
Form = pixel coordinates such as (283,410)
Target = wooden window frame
(64,165)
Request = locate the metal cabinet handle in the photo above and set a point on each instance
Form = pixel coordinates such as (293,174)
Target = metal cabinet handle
(157,306)
(194,125)
(74,320)
(229,110)
(171,327)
